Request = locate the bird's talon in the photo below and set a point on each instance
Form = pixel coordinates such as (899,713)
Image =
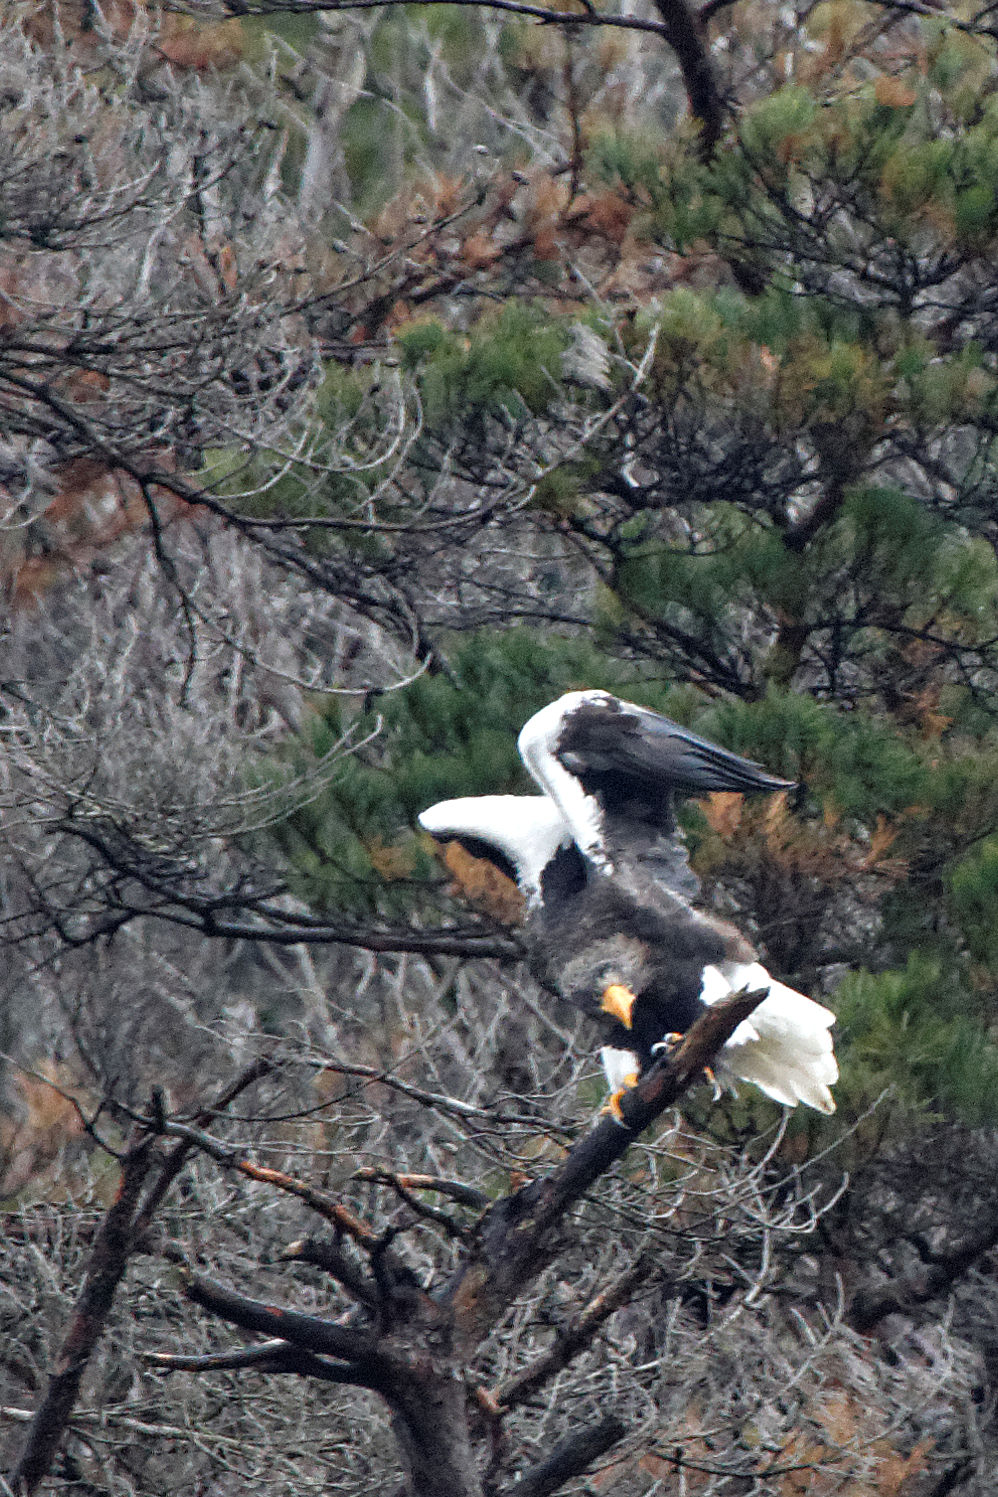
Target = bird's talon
(667,1042)
(612,1103)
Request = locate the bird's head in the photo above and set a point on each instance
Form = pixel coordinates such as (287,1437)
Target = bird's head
(603,979)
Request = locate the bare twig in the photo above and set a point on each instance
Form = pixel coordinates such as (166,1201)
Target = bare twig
(573,1338)
(465,1195)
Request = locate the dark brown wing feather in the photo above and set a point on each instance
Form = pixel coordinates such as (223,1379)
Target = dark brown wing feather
(621,747)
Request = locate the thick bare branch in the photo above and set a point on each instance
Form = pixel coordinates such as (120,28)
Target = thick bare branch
(516,1239)
(570,1457)
(686,34)
(108,1261)
(332,1259)
(308,1332)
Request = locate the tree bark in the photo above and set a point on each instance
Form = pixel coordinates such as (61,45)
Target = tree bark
(687,36)
(108,1261)
(570,1457)
(429,1408)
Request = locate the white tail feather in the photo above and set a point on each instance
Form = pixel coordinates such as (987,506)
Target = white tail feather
(784,1048)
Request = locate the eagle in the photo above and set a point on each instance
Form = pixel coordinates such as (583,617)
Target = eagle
(612,921)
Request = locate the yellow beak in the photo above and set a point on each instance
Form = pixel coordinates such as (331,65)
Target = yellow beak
(618,1001)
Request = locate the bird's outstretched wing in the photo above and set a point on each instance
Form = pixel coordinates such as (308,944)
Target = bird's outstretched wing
(610,893)
(614,770)
(524,836)
(602,739)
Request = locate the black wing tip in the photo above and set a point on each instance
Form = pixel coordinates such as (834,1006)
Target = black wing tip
(575,728)
(767,784)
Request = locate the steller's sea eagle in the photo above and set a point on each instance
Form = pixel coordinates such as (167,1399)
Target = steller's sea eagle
(610,915)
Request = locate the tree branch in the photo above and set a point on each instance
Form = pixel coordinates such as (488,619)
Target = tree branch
(332,1259)
(516,1239)
(584,17)
(309,1332)
(571,1457)
(177,1156)
(686,34)
(106,1268)
(465,1195)
(572,1339)
(273,1356)
(235,915)
(121,1231)
(870,1305)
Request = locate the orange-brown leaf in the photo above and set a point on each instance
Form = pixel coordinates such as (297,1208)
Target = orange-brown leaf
(894,93)
(481,883)
(722,811)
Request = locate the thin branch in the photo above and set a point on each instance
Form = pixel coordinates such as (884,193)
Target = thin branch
(320,1201)
(586,17)
(332,1259)
(108,1260)
(272,1356)
(465,1195)
(398,1183)
(177,1156)
(571,1457)
(260,919)
(573,1339)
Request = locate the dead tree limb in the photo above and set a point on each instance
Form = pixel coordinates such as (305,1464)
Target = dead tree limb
(516,1239)
(120,1234)
(570,1457)
(309,1332)
(108,1262)
(412,1346)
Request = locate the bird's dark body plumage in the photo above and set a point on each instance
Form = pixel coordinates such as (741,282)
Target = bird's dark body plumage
(604,936)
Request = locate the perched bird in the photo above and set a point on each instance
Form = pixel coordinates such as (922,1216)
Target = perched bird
(610,915)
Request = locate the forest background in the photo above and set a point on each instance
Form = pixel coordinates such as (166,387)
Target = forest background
(369,375)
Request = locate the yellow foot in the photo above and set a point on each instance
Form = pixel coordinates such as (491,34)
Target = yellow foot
(668,1042)
(612,1103)
(718,1088)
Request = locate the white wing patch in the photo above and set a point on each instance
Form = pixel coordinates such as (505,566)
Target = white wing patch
(527,829)
(582,812)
